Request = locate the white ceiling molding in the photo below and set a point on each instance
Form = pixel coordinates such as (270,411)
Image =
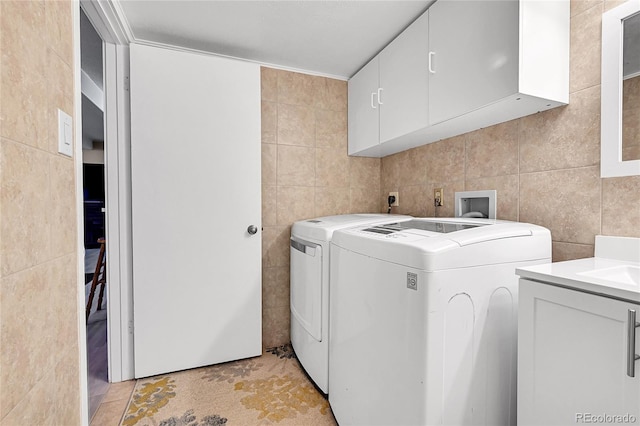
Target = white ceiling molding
(265,64)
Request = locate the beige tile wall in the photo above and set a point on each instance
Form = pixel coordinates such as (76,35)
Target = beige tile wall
(39,381)
(306,173)
(545,167)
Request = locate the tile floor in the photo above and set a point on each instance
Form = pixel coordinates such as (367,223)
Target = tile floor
(107,401)
(111,409)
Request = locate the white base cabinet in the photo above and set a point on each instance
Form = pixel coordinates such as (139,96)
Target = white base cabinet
(476,63)
(573,350)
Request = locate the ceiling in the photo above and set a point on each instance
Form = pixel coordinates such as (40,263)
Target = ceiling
(333,38)
(328,37)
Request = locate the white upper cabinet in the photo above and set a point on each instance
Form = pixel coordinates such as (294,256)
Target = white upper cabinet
(473,55)
(462,66)
(404,82)
(364,128)
(387,96)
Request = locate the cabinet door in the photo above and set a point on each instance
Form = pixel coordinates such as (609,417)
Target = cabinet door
(474,55)
(572,357)
(404,80)
(364,129)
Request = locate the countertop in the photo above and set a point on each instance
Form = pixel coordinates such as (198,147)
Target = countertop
(571,274)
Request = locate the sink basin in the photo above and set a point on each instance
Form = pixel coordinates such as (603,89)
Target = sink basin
(624,274)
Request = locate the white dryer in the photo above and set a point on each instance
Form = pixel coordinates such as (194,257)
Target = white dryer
(424,320)
(310,287)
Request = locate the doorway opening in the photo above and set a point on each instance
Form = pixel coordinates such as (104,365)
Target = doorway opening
(93,183)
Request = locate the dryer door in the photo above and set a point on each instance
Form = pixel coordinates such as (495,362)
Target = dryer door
(306,286)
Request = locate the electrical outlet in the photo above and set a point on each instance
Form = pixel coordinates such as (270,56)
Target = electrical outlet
(397,201)
(438,197)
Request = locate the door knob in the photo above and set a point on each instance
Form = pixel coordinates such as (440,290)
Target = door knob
(252,229)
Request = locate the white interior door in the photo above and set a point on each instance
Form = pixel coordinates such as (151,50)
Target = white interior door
(195,174)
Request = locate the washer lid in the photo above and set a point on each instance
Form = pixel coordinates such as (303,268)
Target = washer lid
(486,242)
(322,228)
(431,225)
(461,231)
(496,233)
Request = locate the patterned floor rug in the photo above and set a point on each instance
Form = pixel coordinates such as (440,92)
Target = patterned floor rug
(268,390)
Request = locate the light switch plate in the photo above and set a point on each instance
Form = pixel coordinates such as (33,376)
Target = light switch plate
(65,133)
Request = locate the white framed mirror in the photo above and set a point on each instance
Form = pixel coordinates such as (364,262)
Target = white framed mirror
(620,113)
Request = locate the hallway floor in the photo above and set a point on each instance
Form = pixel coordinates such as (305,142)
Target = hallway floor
(107,401)
(97,378)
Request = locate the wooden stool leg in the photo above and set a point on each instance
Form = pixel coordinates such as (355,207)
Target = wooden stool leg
(95,280)
(94,283)
(102,282)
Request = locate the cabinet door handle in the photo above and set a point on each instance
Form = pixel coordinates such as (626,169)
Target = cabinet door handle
(372,104)
(632,357)
(380,95)
(431,70)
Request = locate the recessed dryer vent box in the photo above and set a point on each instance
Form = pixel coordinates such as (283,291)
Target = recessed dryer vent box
(476,204)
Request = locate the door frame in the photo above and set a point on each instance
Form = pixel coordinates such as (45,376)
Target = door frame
(118,214)
(105,18)
(79,198)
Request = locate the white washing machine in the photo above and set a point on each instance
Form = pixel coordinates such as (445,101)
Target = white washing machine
(310,287)
(424,320)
